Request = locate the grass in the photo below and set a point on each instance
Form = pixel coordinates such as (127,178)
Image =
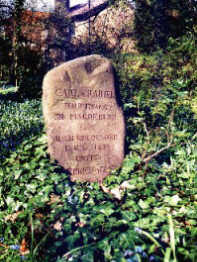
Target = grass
(154,220)
(4,90)
(19,120)
(145,211)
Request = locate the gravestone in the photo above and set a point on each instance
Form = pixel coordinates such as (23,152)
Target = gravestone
(84,123)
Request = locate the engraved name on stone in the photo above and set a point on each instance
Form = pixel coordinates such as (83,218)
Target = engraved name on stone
(85,125)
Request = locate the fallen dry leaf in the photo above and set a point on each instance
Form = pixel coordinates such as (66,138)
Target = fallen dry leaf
(53,199)
(12,217)
(23,248)
(58,225)
(116,192)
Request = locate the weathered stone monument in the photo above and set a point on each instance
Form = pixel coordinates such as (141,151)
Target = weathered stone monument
(85,125)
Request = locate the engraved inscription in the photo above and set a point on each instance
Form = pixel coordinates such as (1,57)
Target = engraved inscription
(84,93)
(85,138)
(86,147)
(66,138)
(59,116)
(88,170)
(96,137)
(88,157)
(95,116)
(84,123)
(85,116)
(90,106)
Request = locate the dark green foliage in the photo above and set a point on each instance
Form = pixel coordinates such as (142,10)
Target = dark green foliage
(23,65)
(30,72)
(146,210)
(152,216)
(156,21)
(19,120)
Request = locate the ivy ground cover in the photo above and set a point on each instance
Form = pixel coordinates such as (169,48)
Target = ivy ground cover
(145,211)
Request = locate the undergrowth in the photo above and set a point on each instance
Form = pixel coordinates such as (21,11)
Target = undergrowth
(146,210)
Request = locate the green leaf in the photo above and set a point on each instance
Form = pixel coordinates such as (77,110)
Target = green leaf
(172,201)
(143,204)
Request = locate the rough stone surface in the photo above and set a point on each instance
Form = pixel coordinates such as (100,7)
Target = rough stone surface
(85,125)
(113,27)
